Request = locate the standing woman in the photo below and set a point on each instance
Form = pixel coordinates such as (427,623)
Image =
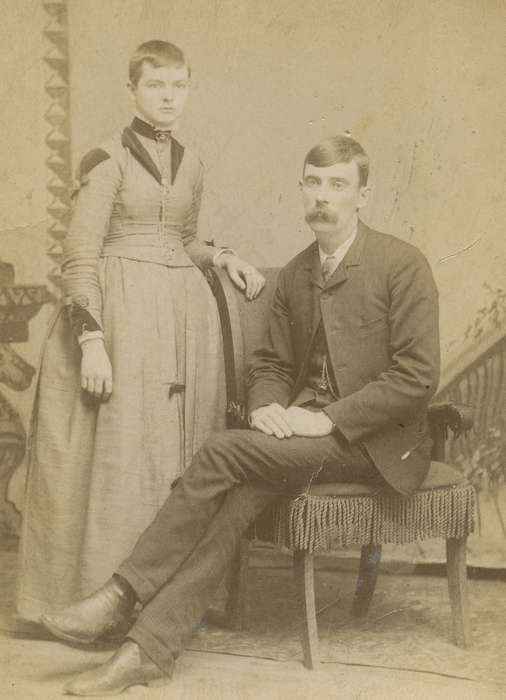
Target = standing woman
(132,376)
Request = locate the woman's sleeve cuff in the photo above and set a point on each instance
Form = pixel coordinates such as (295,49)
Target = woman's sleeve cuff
(221,251)
(89,335)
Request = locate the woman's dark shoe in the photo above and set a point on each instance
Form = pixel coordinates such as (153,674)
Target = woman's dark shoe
(128,666)
(101,613)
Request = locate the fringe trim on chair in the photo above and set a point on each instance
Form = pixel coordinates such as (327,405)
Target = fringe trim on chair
(324,522)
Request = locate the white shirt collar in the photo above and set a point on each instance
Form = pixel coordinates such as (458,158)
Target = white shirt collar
(339,252)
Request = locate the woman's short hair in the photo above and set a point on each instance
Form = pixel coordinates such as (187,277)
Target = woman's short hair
(157,53)
(340,149)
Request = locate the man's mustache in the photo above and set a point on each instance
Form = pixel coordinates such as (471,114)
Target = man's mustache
(321,213)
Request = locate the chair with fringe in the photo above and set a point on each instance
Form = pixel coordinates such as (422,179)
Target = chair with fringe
(329,516)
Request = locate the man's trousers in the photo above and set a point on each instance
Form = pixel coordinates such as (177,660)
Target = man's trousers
(181,558)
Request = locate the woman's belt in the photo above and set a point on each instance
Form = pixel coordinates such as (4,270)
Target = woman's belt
(160,250)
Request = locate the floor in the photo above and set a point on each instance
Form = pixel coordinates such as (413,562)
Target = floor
(402,649)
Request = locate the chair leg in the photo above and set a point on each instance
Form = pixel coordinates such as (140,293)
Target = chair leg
(457,587)
(238,591)
(370,559)
(303,568)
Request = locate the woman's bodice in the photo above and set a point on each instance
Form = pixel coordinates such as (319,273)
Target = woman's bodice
(150,220)
(126,208)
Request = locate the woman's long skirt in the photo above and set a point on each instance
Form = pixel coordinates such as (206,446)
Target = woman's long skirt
(99,471)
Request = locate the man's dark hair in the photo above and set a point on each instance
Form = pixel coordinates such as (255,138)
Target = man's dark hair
(157,53)
(340,149)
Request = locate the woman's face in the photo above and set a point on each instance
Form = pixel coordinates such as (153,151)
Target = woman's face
(160,94)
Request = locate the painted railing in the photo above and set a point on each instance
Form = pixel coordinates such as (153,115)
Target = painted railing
(477,378)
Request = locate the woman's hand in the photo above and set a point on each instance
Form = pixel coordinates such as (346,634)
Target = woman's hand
(96,369)
(242,274)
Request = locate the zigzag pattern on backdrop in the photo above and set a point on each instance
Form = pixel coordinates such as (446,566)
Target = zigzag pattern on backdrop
(58,138)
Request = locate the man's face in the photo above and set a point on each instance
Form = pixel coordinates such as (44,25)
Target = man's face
(161,93)
(332,195)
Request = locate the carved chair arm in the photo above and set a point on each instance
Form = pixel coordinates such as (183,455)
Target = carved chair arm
(236,415)
(444,415)
(457,417)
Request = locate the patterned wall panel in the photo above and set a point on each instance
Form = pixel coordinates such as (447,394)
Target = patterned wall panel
(20,302)
(57,115)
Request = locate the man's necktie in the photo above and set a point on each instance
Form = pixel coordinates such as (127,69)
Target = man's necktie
(328,267)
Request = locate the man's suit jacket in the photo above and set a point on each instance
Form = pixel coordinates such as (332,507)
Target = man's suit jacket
(380,314)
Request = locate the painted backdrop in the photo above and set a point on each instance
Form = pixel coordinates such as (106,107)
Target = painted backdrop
(419,84)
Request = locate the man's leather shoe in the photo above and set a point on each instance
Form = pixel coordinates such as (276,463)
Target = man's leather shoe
(129,666)
(89,619)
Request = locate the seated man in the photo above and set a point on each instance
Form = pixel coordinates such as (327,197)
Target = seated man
(338,392)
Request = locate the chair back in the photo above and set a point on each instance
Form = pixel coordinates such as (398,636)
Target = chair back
(243,325)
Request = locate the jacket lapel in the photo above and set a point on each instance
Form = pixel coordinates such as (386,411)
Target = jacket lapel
(351,259)
(310,285)
(312,264)
(313,268)
(176,156)
(129,140)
